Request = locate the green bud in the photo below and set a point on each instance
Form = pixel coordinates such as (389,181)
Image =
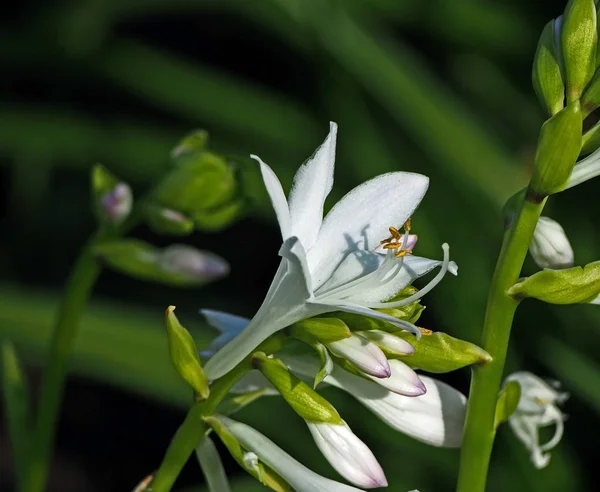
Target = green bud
(570,286)
(184,355)
(579,38)
(305,401)
(167,221)
(438,352)
(508,401)
(113,199)
(547,76)
(194,142)
(177,265)
(263,473)
(323,330)
(558,148)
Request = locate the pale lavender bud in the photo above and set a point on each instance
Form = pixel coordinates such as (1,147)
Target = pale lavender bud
(348,454)
(389,342)
(117,203)
(403,380)
(191,262)
(550,247)
(364,354)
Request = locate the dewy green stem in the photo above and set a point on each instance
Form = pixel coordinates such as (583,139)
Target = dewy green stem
(79,286)
(486,380)
(193,427)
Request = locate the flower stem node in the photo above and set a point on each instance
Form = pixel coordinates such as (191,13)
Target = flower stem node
(558,148)
(305,401)
(550,247)
(184,355)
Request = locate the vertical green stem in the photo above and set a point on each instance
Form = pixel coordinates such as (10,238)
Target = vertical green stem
(485,384)
(79,286)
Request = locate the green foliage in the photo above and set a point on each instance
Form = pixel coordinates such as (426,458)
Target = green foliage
(508,401)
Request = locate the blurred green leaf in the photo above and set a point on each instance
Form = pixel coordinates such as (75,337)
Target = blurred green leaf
(507,403)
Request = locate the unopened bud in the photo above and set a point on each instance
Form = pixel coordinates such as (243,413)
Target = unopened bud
(192,263)
(547,76)
(363,354)
(117,204)
(184,355)
(550,247)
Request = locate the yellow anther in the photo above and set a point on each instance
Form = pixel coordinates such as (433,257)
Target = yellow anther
(425,331)
(408,225)
(403,252)
(385,241)
(392,246)
(395,233)
(541,401)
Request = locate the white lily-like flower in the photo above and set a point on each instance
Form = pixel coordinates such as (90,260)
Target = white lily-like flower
(436,417)
(550,246)
(332,264)
(293,472)
(538,407)
(351,457)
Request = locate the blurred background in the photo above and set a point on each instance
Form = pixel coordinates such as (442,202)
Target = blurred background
(441,88)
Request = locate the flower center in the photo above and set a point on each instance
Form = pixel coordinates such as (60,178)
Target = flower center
(403,243)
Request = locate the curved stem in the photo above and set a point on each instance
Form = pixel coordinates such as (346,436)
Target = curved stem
(486,380)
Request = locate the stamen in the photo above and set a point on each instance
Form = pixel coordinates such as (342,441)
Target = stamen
(395,233)
(392,246)
(403,252)
(408,225)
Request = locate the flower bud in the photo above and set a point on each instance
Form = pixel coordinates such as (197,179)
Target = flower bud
(113,199)
(168,221)
(390,344)
(192,263)
(547,77)
(184,355)
(348,454)
(550,247)
(403,380)
(363,354)
(322,330)
(578,41)
(558,148)
(305,401)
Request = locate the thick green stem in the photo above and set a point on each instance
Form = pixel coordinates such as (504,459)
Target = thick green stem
(485,384)
(79,286)
(193,427)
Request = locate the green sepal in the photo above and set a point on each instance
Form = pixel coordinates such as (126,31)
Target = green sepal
(570,286)
(102,182)
(323,330)
(558,148)
(263,473)
(508,401)
(141,260)
(167,221)
(547,75)
(439,352)
(326,363)
(184,355)
(234,403)
(579,38)
(305,401)
(16,409)
(195,141)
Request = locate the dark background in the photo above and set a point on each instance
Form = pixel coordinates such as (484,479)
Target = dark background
(439,87)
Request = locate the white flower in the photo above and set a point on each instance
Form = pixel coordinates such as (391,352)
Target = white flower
(550,247)
(295,473)
(538,407)
(332,264)
(436,417)
(348,454)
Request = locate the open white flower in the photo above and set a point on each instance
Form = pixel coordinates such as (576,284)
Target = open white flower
(538,407)
(332,264)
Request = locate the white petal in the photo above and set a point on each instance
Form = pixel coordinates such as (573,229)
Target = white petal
(403,380)
(550,246)
(211,465)
(284,304)
(365,355)
(360,220)
(295,473)
(278,200)
(348,454)
(312,184)
(588,168)
(228,324)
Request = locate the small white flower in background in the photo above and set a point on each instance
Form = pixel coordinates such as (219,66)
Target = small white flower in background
(117,203)
(332,264)
(550,247)
(293,472)
(351,457)
(538,407)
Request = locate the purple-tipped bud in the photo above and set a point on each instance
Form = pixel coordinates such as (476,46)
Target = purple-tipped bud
(403,380)
(117,203)
(191,262)
(364,354)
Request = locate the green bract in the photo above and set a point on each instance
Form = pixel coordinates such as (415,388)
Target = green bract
(323,330)
(558,148)
(547,76)
(508,401)
(305,401)
(571,286)
(184,355)
(439,352)
(578,41)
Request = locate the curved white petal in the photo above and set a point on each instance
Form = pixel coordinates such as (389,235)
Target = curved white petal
(403,380)
(278,200)
(351,457)
(312,184)
(588,168)
(364,354)
(295,473)
(284,304)
(360,220)
(389,342)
